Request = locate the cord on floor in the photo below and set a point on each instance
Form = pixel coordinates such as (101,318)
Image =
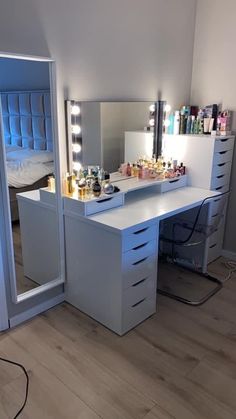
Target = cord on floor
(27,383)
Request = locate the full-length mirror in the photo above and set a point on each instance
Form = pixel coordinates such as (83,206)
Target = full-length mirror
(28,149)
(110,132)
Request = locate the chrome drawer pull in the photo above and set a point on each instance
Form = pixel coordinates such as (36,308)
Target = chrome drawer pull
(222,152)
(140,261)
(221,164)
(140,246)
(139,282)
(213,245)
(174,180)
(141,231)
(219,188)
(220,176)
(104,200)
(139,302)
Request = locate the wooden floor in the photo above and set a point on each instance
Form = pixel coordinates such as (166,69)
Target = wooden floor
(180,363)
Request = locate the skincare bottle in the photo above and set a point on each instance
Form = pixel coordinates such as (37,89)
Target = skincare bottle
(128,169)
(171,124)
(192,124)
(176,122)
(82,188)
(188,125)
(108,188)
(97,189)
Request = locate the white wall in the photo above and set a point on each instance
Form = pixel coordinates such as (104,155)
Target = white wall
(107,49)
(214,77)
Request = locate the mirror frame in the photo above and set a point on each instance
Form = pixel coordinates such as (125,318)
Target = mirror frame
(5,190)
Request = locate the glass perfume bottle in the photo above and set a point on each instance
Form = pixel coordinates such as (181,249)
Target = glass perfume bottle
(97,189)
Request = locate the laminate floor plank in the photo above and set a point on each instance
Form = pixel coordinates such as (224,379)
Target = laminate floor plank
(92,382)
(179,364)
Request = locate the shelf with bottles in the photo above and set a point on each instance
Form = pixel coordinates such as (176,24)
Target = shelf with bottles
(153,169)
(194,120)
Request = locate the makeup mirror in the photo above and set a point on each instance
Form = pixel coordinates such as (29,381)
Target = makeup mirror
(108,132)
(29,164)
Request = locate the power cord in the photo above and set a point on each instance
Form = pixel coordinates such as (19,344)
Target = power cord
(27,383)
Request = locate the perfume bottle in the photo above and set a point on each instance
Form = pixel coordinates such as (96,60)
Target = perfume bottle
(97,189)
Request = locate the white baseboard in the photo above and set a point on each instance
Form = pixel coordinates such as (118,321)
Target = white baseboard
(229,255)
(40,308)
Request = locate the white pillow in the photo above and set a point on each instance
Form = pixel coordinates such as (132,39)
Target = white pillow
(34,156)
(10,148)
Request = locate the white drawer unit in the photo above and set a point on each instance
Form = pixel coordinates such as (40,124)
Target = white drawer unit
(118,286)
(171,184)
(208,160)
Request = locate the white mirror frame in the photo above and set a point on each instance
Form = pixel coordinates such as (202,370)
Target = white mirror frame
(6,203)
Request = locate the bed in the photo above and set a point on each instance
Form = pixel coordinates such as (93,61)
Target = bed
(28,140)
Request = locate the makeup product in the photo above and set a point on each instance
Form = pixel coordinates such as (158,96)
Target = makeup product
(176,123)
(51,183)
(128,170)
(97,189)
(171,124)
(188,125)
(206,125)
(192,124)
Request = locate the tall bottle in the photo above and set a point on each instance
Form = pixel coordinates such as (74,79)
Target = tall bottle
(176,123)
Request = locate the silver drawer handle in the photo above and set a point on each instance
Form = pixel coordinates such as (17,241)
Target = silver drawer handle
(219,188)
(104,200)
(141,231)
(223,152)
(213,245)
(221,164)
(139,302)
(139,282)
(140,246)
(220,176)
(140,261)
(174,180)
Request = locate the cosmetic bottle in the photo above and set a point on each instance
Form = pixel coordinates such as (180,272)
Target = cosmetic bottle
(128,170)
(51,183)
(192,124)
(97,189)
(188,125)
(171,124)
(176,122)
(182,121)
(108,188)
(82,188)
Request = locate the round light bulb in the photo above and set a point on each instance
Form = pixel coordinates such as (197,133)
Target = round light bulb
(152,122)
(76,148)
(166,123)
(77,166)
(152,108)
(75,110)
(167,108)
(76,129)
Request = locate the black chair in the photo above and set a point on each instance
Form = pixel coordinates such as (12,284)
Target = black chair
(192,232)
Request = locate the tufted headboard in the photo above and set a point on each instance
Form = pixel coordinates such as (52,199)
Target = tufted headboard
(27,119)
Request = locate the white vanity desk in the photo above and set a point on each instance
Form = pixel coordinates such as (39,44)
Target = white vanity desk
(112,256)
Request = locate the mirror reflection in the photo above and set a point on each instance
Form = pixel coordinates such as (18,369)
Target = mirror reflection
(29,151)
(108,128)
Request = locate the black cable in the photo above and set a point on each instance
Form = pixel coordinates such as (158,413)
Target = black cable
(27,383)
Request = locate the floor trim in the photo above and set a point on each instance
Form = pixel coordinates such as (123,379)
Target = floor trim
(229,255)
(40,308)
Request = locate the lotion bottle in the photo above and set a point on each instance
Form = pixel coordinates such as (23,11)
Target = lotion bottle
(176,123)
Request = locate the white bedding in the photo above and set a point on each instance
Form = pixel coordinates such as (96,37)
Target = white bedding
(25,167)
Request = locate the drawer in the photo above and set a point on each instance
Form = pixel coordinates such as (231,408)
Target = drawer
(93,206)
(218,205)
(222,188)
(220,180)
(214,251)
(139,254)
(223,144)
(139,291)
(47,196)
(132,274)
(134,315)
(172,184)
(221,169)
(217,237)
(222,157)
(139,236)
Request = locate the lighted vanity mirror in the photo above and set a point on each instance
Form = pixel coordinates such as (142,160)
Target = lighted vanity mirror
(106,132)
(28,153)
